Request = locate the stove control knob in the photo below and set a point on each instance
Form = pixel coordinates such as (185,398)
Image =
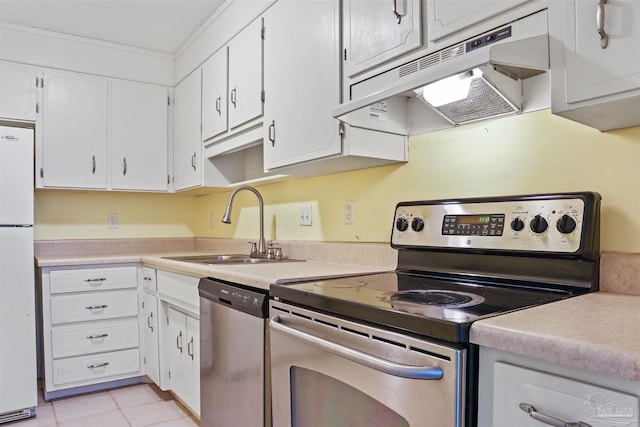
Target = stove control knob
(566,224)
(517,224)
(402,224)
(417,224)
(538,224)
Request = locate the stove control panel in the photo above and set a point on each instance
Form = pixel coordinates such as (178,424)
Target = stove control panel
(541,223)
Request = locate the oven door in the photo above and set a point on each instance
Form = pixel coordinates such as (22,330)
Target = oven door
(328,371)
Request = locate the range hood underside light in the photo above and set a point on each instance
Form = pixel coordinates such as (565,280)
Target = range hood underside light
(472,96)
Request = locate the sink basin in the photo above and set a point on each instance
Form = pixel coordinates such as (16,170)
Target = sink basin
(227,259)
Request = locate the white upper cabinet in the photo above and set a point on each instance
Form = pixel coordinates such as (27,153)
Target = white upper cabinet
(245,75)
(301,46)
(447,17)
(91,123)
(139,118)
(214,95)
(377,31)
(18,93)
(595,78)
(74,130)
(187,142)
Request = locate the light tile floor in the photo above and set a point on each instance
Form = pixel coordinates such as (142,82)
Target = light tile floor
(134,406)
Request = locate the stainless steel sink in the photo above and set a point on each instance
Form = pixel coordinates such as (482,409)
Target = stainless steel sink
(228,259)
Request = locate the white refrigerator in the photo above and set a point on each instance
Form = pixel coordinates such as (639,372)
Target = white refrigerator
(18,383)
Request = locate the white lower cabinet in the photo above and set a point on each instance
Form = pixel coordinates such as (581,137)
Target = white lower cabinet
(179,337)
(91,334)
(520,391)
(149,320)
(184,357)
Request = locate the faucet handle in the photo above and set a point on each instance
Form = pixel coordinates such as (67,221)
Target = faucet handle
(254,247)
(274,251)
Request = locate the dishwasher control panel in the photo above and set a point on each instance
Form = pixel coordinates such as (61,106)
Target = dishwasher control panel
(253,301)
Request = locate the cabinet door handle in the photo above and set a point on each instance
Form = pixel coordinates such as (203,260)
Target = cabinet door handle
(548,419)
(219,105)
(99,365)
(604,37)
(190,348)
(395,11)
(193,161)
(233,97)
(147,278)
(179,342)
(99,280)
(149,321)
(96,307)
(93,337)
(93,165)
(124,166)
(272,133)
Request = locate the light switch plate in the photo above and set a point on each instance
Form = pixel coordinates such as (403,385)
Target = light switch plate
(305,215)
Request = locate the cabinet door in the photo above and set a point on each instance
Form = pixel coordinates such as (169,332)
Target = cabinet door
(592,71)
(74,130)
(214,95)
(149,321)
(447,17)
(192,368)
(377,31)
(298,116)
(187,141)
(245,75)
(184,357)
(18,95)
(139,114)
(176,338)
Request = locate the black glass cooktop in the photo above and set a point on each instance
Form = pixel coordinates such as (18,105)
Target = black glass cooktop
(441,308)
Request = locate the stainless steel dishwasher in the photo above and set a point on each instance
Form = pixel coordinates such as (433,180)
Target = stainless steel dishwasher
(234,355)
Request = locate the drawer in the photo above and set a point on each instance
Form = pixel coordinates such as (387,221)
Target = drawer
(92,279)
(94,337)
(563,398)
(93,306)
(149,281)
(89,368)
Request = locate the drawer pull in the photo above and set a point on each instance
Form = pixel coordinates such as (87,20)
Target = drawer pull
(99,365)
(147,278)
(549,420)
(96,307)
(98,279)
(94,337)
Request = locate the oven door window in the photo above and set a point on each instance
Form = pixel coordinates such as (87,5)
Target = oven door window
(320,400)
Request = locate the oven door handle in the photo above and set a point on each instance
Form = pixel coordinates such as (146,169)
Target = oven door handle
(392,368)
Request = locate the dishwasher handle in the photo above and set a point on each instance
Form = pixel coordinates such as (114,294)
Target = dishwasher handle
(388,367)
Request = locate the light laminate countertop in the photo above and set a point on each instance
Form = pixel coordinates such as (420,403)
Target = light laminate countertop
(259,275)
(599,332)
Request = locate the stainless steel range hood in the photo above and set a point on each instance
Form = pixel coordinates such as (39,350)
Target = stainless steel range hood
(504,57)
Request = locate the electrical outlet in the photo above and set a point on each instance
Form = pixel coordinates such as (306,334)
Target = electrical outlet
(112,221)
(212,220)
(349,212)
(305,215)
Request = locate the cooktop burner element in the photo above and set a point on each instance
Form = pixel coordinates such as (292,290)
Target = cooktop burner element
(438,298)
(463,260)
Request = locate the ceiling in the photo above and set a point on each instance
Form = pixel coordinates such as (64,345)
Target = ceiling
(157,25)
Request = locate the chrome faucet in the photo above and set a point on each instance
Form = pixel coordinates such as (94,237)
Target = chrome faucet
(226,218)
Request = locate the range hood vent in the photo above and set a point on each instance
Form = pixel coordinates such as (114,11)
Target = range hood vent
(514,52)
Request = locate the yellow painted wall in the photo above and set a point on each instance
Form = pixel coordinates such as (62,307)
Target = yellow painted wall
(61,214)
(531,153)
